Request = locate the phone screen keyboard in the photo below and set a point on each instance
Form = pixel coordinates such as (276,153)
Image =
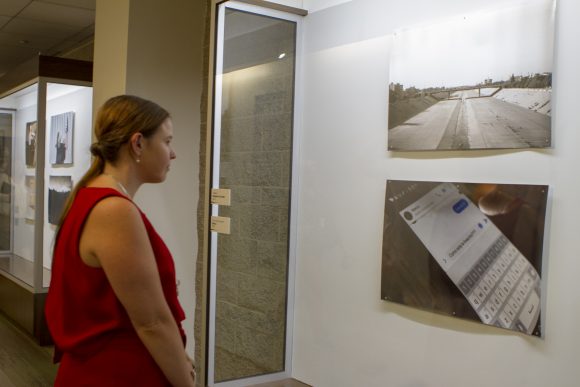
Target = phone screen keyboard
(503,288)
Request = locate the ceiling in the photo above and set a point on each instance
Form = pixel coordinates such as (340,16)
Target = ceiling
(48,27)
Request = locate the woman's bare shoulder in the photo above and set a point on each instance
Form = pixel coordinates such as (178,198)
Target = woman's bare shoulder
(113,225)
(116,211)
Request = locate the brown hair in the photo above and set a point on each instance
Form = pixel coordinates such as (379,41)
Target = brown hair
(117,120)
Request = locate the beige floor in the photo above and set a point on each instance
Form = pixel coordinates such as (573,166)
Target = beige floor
(23,363)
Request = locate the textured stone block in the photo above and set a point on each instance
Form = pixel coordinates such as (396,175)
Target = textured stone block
(225,329)
(269,323)
(227,285)
(285,168)
(263,349)
(227,173)
(246,195)
(238,254)
(278,197)
(260,223)
(272,102)
(283,226)
(276,131)
(251,169)
(231,366)
(240,135)
(261,294)
(272,260)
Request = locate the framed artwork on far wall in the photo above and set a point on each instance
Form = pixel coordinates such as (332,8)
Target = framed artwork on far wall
(30,148)
(61,138)
(59,188)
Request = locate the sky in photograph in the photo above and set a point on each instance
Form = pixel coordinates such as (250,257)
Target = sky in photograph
(467,49)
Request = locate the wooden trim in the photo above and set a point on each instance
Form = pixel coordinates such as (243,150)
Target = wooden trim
(72,69)
(46,66)
(25,308)
(40,327)
(276,7)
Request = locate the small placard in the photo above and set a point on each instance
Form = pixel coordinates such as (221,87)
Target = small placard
(220,224)
(221,196)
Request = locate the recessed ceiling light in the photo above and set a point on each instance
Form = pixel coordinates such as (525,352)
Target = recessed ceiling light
(282,55)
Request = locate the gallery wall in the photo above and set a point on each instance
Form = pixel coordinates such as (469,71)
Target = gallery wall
(165,66)
(310,5)
(76,99)
(344,334)
(159,47)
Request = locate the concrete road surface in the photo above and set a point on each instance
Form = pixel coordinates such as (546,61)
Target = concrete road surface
(476,123)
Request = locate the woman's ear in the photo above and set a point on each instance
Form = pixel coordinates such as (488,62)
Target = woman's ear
(136,144)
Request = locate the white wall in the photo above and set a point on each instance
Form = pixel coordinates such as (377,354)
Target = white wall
(290,3)
(62,99)
(344,334)
(153,49)
(310,5)
(317,5)
(164,64)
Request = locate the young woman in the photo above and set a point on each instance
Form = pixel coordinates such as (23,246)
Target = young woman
(112,305)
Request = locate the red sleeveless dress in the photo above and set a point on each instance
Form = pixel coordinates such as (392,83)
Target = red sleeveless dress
(95,341)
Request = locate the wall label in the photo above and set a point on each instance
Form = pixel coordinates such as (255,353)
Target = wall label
(220,224)
(221,196)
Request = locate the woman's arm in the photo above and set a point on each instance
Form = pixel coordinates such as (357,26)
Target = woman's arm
(115,238)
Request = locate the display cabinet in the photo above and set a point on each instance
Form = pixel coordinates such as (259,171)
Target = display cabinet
(45,135)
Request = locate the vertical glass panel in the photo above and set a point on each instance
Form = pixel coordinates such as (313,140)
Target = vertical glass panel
(6,123)
(19,130)
(257,98)
(67,155)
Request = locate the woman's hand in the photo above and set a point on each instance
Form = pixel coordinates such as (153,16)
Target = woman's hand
(190,361)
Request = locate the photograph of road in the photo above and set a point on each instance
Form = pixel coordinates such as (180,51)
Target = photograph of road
(479,81)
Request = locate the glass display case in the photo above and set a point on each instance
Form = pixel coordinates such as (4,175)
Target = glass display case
(45,136)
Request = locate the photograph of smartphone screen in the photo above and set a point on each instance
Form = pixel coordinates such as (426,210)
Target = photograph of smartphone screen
(468,250)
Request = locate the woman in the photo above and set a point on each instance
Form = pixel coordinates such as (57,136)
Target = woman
(112,306)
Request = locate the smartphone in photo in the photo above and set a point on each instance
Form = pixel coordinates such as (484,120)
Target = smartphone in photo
(494,277)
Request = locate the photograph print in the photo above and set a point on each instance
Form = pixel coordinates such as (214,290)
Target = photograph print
(477,81)
(59,188)
(61,138)
(30,151)
(467,250)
